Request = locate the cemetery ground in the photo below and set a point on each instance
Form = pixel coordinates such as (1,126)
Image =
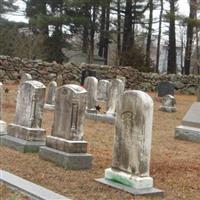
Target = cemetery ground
(175,164)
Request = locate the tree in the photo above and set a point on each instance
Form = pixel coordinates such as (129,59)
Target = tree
(171,64)
(190,32)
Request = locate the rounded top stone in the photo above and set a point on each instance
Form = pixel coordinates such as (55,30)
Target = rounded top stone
(35,84)
(75,88)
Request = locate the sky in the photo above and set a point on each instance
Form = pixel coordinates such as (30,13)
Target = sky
(19,17)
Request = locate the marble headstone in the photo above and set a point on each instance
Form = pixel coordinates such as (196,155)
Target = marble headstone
(3,125)
(132,141)
(168,104)
(103,90)
(164,88)
(122,78)
(116,89)
(90,85)
(26,133)
(25,77)
(59,80)
(85,73)
(51,93)
(66,146)
(190,125)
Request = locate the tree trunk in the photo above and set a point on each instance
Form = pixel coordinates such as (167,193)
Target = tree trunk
(190,27)
(171,68)
(159,36)
(118,31)
(148,47)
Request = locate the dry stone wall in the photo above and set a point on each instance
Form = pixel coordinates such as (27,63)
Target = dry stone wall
(11,68)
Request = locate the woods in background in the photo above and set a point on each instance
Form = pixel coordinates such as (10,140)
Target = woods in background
(136,30)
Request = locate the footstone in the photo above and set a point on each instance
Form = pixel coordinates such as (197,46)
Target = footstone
(21,145)
(70,161)
(34,191)
(190,125)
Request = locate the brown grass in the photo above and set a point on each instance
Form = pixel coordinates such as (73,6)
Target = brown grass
(175,164)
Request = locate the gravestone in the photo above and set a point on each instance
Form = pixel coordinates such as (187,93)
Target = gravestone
(66,146)
(59,80)
(116,89)
(190,125)
(25,77)
(198,93)
(132,144)
(26,134)
(121,78)
(103,90)
(3,125)
(164,88)
(85,73)
(90,85)
(168,104)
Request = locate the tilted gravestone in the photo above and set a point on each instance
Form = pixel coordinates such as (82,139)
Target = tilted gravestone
(85,73)
(168,104)
(90,85)
(132,144)
(66,146)
(26,134)
(116,89)
(164,88)
(190,125)
(3,125)
(51,93)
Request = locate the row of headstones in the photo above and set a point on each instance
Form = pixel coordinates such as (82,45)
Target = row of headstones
(66,147)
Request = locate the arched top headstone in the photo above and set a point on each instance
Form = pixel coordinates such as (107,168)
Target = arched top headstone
(69,112)
(25,77)
(133,133)
(30,103)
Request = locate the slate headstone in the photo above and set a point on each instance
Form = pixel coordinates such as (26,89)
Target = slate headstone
(164,88)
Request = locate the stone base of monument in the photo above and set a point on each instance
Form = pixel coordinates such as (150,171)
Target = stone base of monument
(93,111)
(24,139)
(167,109)
(101,117)
(3,128)
(49,107)
(134,185)
(187,133)
(69,154)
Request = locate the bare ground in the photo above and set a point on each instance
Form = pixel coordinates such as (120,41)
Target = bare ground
(175,164)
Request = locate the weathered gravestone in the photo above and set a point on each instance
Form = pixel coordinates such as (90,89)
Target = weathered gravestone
(3,125)
(90,85)
(132,145)
(85,73)
(168,104)
(164,88)
(121,78)
(50,102)
(66,146)
(103,90)
(25,77)
(116,89)
(190,125)
(59,80)
(26,134)
(198,93)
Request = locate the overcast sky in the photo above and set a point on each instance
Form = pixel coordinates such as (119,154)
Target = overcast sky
(19,17)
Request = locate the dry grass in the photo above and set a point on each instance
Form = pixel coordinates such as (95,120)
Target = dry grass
(175,165)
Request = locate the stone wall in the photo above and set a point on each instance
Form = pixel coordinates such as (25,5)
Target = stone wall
(11,68)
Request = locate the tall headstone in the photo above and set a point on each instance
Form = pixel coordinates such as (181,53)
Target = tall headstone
(164,88)
(132,143)
(26,134)
(103,90)
(85,73)
(116,89)
(198,93)
(168,104)
(25,77)
(66,146)
(3,125)
(190,125)
(51,93)
(90,85)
